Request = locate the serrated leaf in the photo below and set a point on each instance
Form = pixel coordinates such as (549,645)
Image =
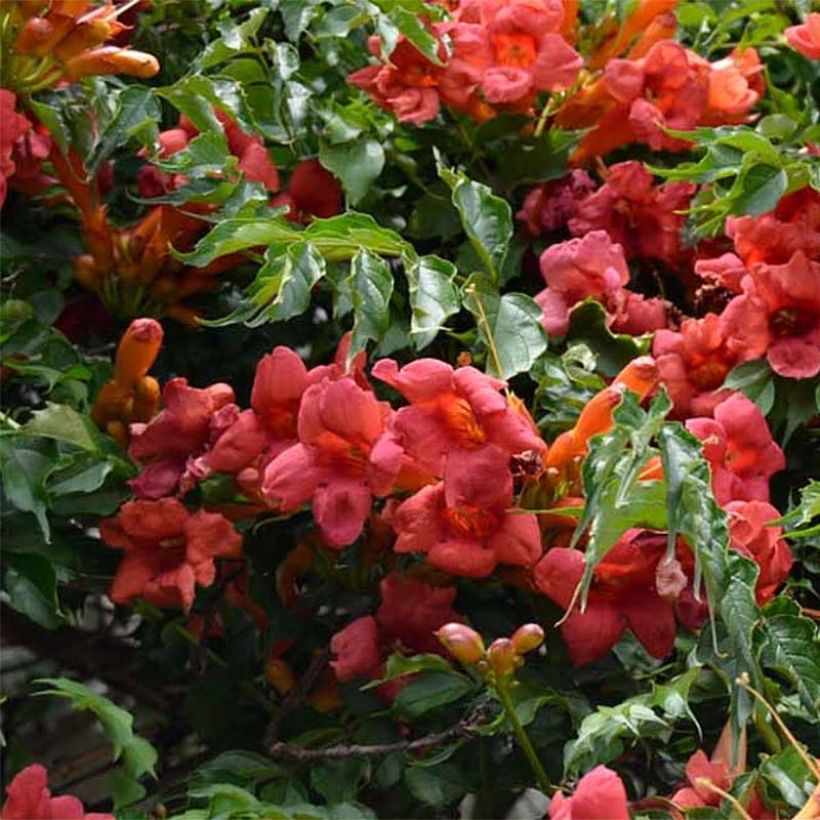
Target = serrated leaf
(792,647)
(138,756)
(371,286)
(137,115)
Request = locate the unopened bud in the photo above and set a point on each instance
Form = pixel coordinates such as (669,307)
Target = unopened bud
(503,658)
(111,60)
(279,675)
(463,643)
(527,637)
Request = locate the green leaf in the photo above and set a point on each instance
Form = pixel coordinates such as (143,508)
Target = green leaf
(439,786)
(31,584)
(587,325)
(399,665)
(357,164)
(235,38)
(411,26)
(428,690)
(789,775)
(510,326)
(758,189)
(138,756)
(371,286)
(338,781)
(433,298)
(756,381)
(284,283)
(63,423)
(136,117)
(792,648)
(486,218)
(239,234)
(24,470)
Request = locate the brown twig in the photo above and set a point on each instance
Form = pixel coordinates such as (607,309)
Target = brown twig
(461,731)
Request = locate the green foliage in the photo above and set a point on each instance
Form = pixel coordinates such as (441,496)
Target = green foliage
(138,756)
(745,170)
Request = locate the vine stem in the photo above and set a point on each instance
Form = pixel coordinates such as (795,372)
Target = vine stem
(529,751)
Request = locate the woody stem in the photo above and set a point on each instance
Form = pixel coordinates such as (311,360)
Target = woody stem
(526,745)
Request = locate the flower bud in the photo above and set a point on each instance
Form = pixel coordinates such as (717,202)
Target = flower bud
(503,658)
(41,36)
(137,351)
(527,637)
(463,643)
(111,60)
(279,675)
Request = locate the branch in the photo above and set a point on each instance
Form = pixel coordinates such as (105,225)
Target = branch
(86,653)
(466,728)
(295,697)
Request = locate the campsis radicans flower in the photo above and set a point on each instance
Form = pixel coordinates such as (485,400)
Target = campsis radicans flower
(463,525)
(593,266)
(453,415)
(805,38)
(168,446)
(625,594)
(338,424)
(640,376)
(22,150)
(600,793)
(645,219)
(660,84)
(740,450)
(408,616)
(778,315)
(255,163)
(28,798)
(751,532)
(168,550)
(503,54)
(693,363)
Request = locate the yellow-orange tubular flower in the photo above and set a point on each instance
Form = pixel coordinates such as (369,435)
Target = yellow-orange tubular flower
(131,395)
(44,43)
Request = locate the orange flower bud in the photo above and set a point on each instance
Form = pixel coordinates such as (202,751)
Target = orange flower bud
(86,35)
(85,271)
(503,658)
(40,35)
(119,432)
(111,403)
(111,60)
(596,417)
(137,351)
(527,637)
(29,8)
(146,399)
(279,675)
(71,8)
(462,642)
(640,376)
